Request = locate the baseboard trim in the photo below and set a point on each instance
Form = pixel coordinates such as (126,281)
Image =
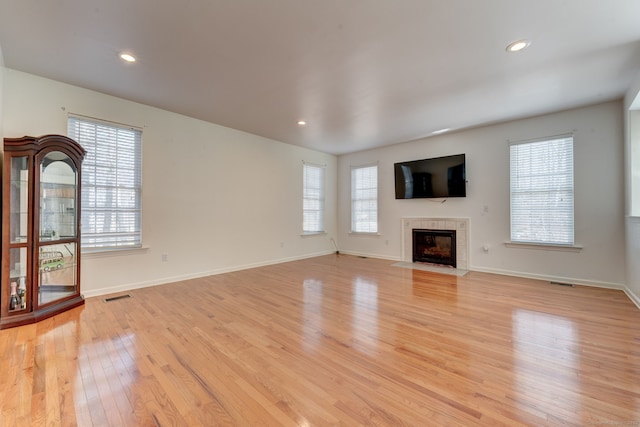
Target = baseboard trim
(179,278)
(367,255)
(549,278)
(606,285)
(632,296)
(130,286)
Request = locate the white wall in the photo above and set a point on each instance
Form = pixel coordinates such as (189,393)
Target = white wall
(632,171)
(633,153)
(214,199)
(209,215)
(599,196)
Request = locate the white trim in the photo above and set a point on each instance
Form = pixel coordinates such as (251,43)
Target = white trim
(318,165)
(543,138)
(313,233)
(365,165)
(167,280)
(368,255)
(114,252)
(113,290)
(545,277)
(544,246)
(633,297)
(103,121)
(579,282)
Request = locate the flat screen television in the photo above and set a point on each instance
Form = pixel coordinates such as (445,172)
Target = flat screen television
(431,178)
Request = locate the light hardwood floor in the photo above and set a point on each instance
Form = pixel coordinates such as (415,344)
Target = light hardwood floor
(333,340)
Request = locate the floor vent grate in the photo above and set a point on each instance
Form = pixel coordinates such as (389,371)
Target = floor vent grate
(117,298)
(571,285)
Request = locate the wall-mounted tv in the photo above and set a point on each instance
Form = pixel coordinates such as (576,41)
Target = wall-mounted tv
(431,178)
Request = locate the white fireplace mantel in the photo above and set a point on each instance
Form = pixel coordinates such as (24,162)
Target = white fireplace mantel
(460,225)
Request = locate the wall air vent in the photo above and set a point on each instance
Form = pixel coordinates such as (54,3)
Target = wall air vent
(571,285)
(117,298)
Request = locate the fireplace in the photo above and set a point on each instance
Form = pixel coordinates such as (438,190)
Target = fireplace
(460,225)
(434,246)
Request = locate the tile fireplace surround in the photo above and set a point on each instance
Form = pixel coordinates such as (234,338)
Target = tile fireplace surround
(460,225)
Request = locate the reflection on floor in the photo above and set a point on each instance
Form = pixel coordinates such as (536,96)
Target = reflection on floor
(431,267)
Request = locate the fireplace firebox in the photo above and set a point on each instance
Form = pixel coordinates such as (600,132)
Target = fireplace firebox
(434,246)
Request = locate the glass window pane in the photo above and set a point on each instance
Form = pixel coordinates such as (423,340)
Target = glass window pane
(112,184)
(313,198)
(542,191)
(364,199)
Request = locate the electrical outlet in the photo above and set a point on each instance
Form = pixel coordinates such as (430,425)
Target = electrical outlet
(165,257)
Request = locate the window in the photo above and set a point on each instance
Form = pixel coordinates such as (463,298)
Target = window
(313,199)
(542,191)
(111,184)
(364,199)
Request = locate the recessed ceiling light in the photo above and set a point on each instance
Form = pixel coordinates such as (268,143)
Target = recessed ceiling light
(518,45)
(302,122)
(439,131)
(128,57)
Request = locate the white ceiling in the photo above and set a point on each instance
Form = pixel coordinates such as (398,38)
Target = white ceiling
(363,73)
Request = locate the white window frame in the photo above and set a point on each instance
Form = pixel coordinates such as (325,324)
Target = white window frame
(111,217)
(313,188)
(364,199)
(542,191)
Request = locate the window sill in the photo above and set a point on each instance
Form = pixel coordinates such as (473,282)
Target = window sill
(313,233)
(363,233)
(114,252)
(544,246)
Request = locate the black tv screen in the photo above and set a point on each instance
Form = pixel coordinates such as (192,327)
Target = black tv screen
(431,178)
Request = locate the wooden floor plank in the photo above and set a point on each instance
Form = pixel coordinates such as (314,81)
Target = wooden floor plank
(332,340)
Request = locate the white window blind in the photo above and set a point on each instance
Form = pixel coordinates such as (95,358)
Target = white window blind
(364,199)
(111,184)
(313,198)
(542,191)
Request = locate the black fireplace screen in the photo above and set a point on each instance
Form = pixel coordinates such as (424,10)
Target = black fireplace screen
(434,246)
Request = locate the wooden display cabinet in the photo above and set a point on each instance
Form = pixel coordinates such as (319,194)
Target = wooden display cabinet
(40,228)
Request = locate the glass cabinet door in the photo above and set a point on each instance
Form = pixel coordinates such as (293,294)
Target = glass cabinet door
(19,200)
(56,271)
(18,234)
(57,260)
(18,291)
(57,197)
